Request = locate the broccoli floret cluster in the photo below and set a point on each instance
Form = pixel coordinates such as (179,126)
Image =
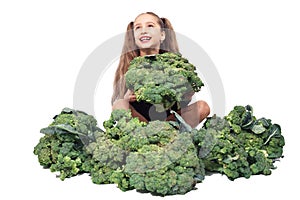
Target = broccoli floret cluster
(171,169)
(239,145)
(163,80)
(62,148)
(153,157)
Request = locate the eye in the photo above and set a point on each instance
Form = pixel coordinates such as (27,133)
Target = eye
(137,27)
(150,25)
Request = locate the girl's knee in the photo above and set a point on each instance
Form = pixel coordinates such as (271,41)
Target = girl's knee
(204,108)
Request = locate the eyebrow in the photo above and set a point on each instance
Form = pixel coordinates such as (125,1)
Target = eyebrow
(150,22)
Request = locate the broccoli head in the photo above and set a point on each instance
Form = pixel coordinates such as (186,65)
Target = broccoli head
(62,148)
(153,157)
(173,168)
(239,144)
(163,80)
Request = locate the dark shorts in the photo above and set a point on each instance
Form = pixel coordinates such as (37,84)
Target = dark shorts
(149,111)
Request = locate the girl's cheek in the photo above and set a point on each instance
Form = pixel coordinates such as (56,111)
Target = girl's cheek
(136,32)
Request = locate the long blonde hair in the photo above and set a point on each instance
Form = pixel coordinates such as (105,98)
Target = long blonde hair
(130,50)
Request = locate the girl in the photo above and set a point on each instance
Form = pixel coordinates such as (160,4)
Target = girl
(149,34)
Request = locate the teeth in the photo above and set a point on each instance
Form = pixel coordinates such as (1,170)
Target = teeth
(145,38)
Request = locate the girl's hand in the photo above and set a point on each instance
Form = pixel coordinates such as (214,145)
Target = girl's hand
(130,96)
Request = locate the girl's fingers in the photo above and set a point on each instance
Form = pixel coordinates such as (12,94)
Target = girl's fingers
(132,98)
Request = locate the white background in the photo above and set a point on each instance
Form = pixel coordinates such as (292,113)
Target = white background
(254,45)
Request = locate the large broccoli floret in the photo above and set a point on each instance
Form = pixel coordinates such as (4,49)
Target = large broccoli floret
(62,153)
(62,148)
(171,169)
(221,153)
(163,79)
(239,145)
(153,157)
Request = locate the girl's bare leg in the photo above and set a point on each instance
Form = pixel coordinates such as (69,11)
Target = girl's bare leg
(195,113)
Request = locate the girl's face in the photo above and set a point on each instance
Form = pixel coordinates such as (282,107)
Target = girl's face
(147,33)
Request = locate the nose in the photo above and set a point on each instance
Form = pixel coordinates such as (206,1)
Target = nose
(144,30)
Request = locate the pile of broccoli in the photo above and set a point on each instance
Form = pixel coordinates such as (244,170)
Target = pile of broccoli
(164,80)
(160,157)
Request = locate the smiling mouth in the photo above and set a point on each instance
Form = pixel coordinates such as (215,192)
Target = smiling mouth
(145,38)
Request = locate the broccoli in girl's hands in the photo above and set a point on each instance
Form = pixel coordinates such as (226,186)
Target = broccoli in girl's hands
(162,80)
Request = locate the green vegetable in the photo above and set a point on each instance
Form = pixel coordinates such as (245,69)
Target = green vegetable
(240,145)
(159,157)
(162,79)
(153,157)
(62,148)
